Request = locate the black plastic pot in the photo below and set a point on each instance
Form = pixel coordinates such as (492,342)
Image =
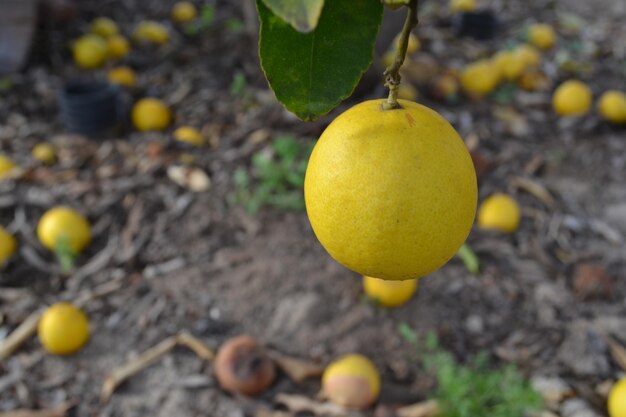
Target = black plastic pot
(90,107)
(481,25)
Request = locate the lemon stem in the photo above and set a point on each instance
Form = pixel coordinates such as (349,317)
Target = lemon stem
(392,73)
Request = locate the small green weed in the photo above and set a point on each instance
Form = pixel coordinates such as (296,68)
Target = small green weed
(203,23)
(278,176)
(239,85)
(473,390)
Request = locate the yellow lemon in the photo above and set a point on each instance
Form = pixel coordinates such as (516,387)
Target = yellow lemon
(64,226)
(124,76)
(499,212)
(572,98)
(617,399)
(407,92)
(8,245)
(462,5)
(104,27)
(7,167)
(151,114)
(390,193)
(351,381)
(44,153)
(509,64)
(534,80)
(480,78)
(63,329)
(541,35)
(389,293)
(612,106)
(151,32)
(529,55)
(189,135)
(90,51)
(184,12)
(117,47)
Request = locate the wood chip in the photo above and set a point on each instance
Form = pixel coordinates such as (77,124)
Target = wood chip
(297,370)
(424,409)
(60,411)
(150,357)
(301,404)
(618,352)
(536,189)
(20,335)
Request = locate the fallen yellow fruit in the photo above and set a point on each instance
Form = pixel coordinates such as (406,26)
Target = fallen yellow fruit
(462,5)
(407,92)
(499,212)
(509,64)
(412,46)
(184,12)
(480,78)
(151,32)
(63,329)
(150,114)
(572,98)
(104,27)
(8,245)
(44,153)
(390,193)
(7,167)
(351,381)
(389,293)
(612,106)
(90,51)
(124,76)
(64,228)
(189,135)
(529,55)
(617,399)
(117,47)
(541,35)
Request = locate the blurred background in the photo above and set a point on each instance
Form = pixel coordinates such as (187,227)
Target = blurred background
(156,126)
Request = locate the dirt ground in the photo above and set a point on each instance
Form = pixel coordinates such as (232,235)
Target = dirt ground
(178,260)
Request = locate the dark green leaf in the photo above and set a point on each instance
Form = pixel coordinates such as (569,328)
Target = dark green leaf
(303,15)
(311,73)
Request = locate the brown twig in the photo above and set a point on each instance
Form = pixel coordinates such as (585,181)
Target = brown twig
(22,333)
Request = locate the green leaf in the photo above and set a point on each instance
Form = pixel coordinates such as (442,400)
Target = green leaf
(469,258)
(303,15)
(311,73)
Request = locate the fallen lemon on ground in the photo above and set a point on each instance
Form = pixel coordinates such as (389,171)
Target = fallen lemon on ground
(104,27)
(150,31)
(189,135)
(617,399)
(90,51)
(499,212)
(351,381)
(480,78)
(572,98)
(462,5)
(44,153)
(407,92)
(6,166)
(612,106)
(389,293)
(509,64)
(117,47)
(63,226)
(529,55)
(8,245)
(63,329)
(390,193)
(151,114)
(184,12)
(541,35)
(124,76)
